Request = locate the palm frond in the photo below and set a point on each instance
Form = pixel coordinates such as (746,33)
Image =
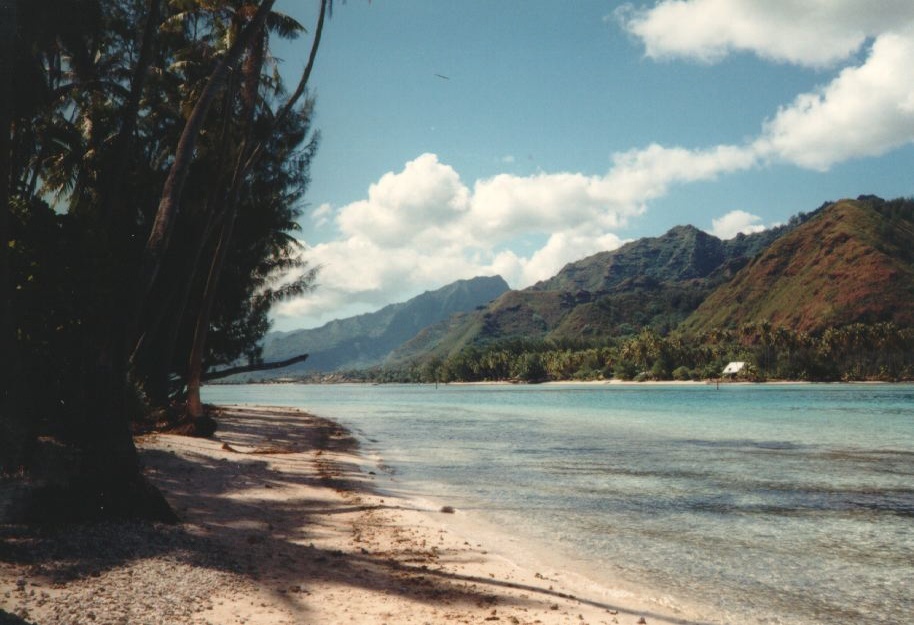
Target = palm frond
(284,26)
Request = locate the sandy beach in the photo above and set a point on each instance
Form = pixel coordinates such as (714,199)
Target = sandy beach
(283,522)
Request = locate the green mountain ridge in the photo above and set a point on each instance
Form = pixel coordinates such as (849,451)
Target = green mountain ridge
(846,262)
(366,340)
(654,281)
(852,262)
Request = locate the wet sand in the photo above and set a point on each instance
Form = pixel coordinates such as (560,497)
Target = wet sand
(283,523)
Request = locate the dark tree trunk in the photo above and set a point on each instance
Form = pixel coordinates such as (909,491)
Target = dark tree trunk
(11,443)
(153,355)
(201,329)
(249,97)
(157,243)
(119,160)
(245,163)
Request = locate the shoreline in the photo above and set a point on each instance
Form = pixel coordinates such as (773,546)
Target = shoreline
(283,521)
(610,382)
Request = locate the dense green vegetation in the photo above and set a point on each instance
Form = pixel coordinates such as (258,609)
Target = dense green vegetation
(850,263)
(857,352)
(151,163)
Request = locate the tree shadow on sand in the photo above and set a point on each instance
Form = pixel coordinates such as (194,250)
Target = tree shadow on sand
(238,521)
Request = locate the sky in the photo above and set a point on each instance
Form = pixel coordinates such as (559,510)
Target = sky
(511,137)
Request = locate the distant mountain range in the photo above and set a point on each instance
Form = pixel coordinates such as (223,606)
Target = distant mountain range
(654,281)
(848,261)
(366,340)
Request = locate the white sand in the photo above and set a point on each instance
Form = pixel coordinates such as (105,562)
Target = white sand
(282,524)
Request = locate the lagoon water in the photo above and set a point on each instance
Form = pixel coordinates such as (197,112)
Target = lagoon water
(761,503)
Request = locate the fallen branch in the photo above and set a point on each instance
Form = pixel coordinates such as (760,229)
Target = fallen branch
(266,366)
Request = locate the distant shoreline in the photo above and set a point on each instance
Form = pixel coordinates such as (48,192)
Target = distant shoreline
(612,382)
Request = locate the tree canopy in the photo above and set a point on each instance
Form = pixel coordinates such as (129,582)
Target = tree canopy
(152,168)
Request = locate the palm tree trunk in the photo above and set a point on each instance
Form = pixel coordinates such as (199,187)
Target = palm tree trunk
(245,163)
(8,364)
(169,204)
(155,349)
(251,84)
(116,172)
(201,329)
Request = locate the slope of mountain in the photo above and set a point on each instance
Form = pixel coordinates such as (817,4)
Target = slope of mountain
(848,261)
(684,253)
(657,281)
(366,340)
(852,262)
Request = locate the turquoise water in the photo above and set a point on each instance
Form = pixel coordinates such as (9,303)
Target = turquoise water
(765,504)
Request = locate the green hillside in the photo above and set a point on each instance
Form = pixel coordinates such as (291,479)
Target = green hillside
(655,282)
(848,262)
(852,262)
(366,340)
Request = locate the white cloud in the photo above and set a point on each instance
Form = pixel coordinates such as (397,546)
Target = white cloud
(422,227)
(865,111)
(563,248)
(322,214)
(401,205)
(508,205)
(804,32)
(735,222)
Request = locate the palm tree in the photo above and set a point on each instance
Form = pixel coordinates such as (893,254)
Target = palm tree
(169,204)
(250,155)
(8,24)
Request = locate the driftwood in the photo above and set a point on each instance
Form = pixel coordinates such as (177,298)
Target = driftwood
(266,366)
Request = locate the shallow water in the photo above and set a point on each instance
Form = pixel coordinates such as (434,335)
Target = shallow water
(765,504)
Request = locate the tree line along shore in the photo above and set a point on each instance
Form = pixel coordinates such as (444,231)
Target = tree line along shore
(857,352)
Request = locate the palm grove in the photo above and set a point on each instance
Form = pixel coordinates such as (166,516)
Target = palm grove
(151,164)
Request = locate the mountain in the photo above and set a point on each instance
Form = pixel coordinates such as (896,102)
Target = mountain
(848,261)
(366,340)
(851,262)
(657,281)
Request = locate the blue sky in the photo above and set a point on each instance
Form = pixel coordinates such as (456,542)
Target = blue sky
(481,137)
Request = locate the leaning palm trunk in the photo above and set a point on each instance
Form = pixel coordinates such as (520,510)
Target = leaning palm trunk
(7,334)
(245,164)
(201,329)
(169,204)
(107,479)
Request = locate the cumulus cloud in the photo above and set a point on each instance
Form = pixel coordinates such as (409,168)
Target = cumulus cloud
(865,111)
(401,205)
(322,214)
(815,33)
(734,223)
(423,225)
(563,248)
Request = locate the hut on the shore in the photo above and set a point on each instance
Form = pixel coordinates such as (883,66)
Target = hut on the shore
(733,369)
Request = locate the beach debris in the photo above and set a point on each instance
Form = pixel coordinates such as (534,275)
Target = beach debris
(642,621)
(447,509)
